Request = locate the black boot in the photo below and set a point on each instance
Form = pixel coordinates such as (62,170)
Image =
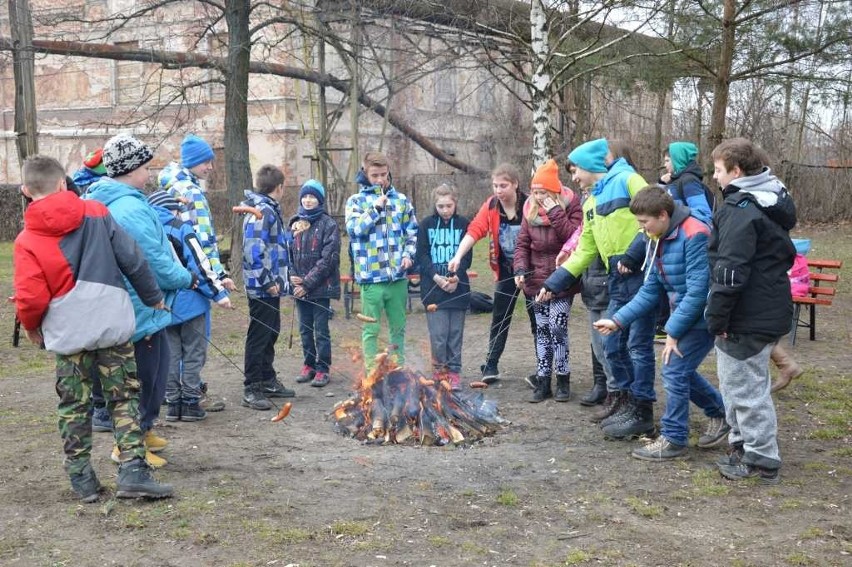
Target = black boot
(255,399)
(542,389)
(135,481)
(627,409)
(86,484)
(597,394)
(563,387)
(638,422)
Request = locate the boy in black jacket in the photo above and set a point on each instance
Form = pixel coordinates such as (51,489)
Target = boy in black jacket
(749,306)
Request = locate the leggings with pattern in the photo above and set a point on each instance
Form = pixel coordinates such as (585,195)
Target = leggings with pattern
(551,337)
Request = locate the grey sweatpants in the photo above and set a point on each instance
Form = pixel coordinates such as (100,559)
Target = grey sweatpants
(748,406)
(446,333)
(187,355)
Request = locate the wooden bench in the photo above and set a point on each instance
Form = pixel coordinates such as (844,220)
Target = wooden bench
(351,291)
(820,292)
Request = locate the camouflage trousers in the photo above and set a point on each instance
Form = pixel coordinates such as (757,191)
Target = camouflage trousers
(116,369)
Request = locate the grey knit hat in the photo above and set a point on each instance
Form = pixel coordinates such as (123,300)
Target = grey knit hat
(124,153)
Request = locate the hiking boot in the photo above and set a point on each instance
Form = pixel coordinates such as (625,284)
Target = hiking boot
(150,458)
(743,471)
(637,421)
(659,450)
(490,374)
(613,403)
(275,389)
(101,420)
(208,404)
(306,375)
(191,412)
(85,484)
(154,442)
(531,380)
(563,387)
(253,398)
(542,389)
(134,481)
(715,434)
(733,455)
(173,412)
(321,380)
(619,411)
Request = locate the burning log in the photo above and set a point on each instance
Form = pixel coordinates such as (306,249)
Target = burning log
(399,405)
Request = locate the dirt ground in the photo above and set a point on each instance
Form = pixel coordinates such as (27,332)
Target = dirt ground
(548,490)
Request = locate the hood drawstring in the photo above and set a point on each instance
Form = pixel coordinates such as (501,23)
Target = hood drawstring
(649,256)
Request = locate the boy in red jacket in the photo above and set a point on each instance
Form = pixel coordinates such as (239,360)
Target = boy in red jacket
(70,297)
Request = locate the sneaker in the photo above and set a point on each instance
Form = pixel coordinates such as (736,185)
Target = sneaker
(154,442)
(135,481)
(173,413)
(455,381)
(743,471)
(490,374)
(532,381)
(733,455)
(715,434)
(659,450)
(209,404)
(306,375)
(101,420)
(321,379)
(275,389)
(153,460)
(191,412)
(253,398)
(85,484)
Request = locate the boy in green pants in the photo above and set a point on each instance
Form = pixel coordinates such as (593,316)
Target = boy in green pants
(382,229)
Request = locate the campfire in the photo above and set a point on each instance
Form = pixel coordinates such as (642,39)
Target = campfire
(398,405)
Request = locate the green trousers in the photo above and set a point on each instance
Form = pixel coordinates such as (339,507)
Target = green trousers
(389,298)
(116,368)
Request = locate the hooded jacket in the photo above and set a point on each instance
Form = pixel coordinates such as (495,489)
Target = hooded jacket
(190,303)
(437,242)
(379,240)
(750,253)
(676,265)
(69,265)
(608,225)
(183,185)
(265,248)
(316,258)
(686,185)
(131,210)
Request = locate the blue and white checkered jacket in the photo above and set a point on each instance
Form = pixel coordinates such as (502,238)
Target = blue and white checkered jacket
(265,248)
(379,241)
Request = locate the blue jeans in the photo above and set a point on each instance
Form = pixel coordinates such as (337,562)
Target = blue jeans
(630,351)
(683,384)
(152,369)
(313,328)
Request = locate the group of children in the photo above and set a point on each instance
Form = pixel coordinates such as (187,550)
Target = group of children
(724,282)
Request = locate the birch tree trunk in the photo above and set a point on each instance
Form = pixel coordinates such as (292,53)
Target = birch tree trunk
(540,84)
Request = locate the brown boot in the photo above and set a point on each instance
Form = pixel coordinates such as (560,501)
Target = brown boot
(788,368)
(613,403)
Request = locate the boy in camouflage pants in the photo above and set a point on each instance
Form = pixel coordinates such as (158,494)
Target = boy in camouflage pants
(69,263)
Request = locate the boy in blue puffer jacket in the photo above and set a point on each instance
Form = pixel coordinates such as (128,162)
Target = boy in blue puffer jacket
(126,160)
(677,265)
(187,333)
(265,264)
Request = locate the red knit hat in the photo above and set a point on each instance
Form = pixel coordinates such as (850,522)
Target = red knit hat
(547,177)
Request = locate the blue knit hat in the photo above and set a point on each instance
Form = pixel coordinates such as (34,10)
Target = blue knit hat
(315,188)
(195,151)
(591,156)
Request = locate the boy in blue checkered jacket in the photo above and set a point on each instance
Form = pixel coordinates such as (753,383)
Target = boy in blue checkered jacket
(265,261)
(382,230)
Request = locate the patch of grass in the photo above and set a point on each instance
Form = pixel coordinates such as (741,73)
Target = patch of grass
(813,532)
(352,529)
(706,482)
(842,452)
(134,519)
(507,497)
(828,434)
(643,508)
(799,558)
(790,504)
(577,556)
(9,546)
(438,541)
(473,548)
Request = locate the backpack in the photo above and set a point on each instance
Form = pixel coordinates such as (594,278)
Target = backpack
(480,302)
(709,194)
